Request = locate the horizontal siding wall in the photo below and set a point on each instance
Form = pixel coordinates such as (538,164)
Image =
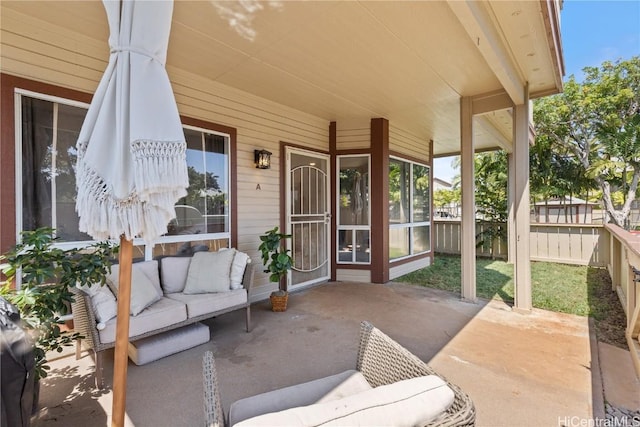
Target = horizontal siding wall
(353,134)
(408,267)
(347,275)
(407,144)
(60,57)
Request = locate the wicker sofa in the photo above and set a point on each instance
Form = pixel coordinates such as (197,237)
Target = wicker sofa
(342,399)
(173,310)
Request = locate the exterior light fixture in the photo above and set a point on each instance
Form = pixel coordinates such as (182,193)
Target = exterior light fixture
(262,159)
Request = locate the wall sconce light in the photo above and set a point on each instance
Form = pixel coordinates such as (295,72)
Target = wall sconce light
(262,159)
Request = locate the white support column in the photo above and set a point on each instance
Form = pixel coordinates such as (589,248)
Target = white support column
(468,232)
(511,195)
(522,263)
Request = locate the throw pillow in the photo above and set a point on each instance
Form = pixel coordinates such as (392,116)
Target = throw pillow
(209,272)
(173,271)
(240,261)
(103,302)
(150,269)
(143,292)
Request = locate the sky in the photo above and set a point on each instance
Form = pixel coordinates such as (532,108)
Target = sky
(592,32)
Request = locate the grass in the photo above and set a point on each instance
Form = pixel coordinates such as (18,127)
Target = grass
(579,290)
(556,287)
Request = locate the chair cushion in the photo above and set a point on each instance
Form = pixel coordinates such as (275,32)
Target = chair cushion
(166,343)
(410,402)
(199,304)
(173,271)
(320,390)
(161,314)
(209,272)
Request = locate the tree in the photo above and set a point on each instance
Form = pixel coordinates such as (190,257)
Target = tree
(491,184)
(597,124)
(556,173)
(490,196)
(445,198)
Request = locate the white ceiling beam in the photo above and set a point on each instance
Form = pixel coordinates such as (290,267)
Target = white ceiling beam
(477,20)
(489,102)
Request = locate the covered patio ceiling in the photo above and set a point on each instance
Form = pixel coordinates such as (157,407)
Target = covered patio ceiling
(409,62)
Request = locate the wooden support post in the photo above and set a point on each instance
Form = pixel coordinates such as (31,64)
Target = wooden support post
(468,224)
(511,195)
(522,261)
(120,355)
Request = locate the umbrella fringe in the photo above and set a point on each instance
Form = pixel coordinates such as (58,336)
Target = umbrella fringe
(160,166)
(162,176)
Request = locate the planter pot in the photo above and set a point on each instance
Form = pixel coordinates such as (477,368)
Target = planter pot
(279,302)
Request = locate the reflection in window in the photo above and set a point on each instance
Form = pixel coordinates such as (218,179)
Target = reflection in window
(49,134)
(409,209)
(399,187)
(353,209)
(205,208)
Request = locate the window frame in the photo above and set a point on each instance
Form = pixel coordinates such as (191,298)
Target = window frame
(411,224)
(225,234)
(19,93)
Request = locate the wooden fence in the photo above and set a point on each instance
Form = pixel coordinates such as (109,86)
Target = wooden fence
(624,268)
(581,244)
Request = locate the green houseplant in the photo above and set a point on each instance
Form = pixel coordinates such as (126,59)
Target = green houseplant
(47,272)
(277,262)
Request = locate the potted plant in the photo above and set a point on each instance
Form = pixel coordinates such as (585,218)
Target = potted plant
(46,274)
(277,262)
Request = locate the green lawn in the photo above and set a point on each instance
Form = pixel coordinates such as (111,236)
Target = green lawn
(556,287)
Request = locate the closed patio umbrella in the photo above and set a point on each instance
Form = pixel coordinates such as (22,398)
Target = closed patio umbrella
(131,151)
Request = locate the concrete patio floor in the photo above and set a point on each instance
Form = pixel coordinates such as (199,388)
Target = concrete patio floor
(520,370)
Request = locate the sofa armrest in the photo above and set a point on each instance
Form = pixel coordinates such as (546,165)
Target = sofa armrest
(84,320)
(247,278)
(383,361)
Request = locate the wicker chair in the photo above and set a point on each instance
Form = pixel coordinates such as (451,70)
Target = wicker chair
(380,359)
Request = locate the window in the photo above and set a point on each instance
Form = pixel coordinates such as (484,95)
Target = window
(49,129)
(353,210)
(49,133)
(205,208)
(409,209)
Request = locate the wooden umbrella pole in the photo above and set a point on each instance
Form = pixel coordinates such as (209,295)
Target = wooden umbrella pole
(120,356)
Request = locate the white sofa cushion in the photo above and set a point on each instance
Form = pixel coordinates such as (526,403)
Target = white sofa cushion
(163,313)
(411,402)
(103,302)
(320,390)
(170,342)
(173,271)
(199,304)
(143,291)
(209,272)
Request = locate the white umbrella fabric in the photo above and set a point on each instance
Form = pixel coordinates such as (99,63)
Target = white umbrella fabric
(131,166)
